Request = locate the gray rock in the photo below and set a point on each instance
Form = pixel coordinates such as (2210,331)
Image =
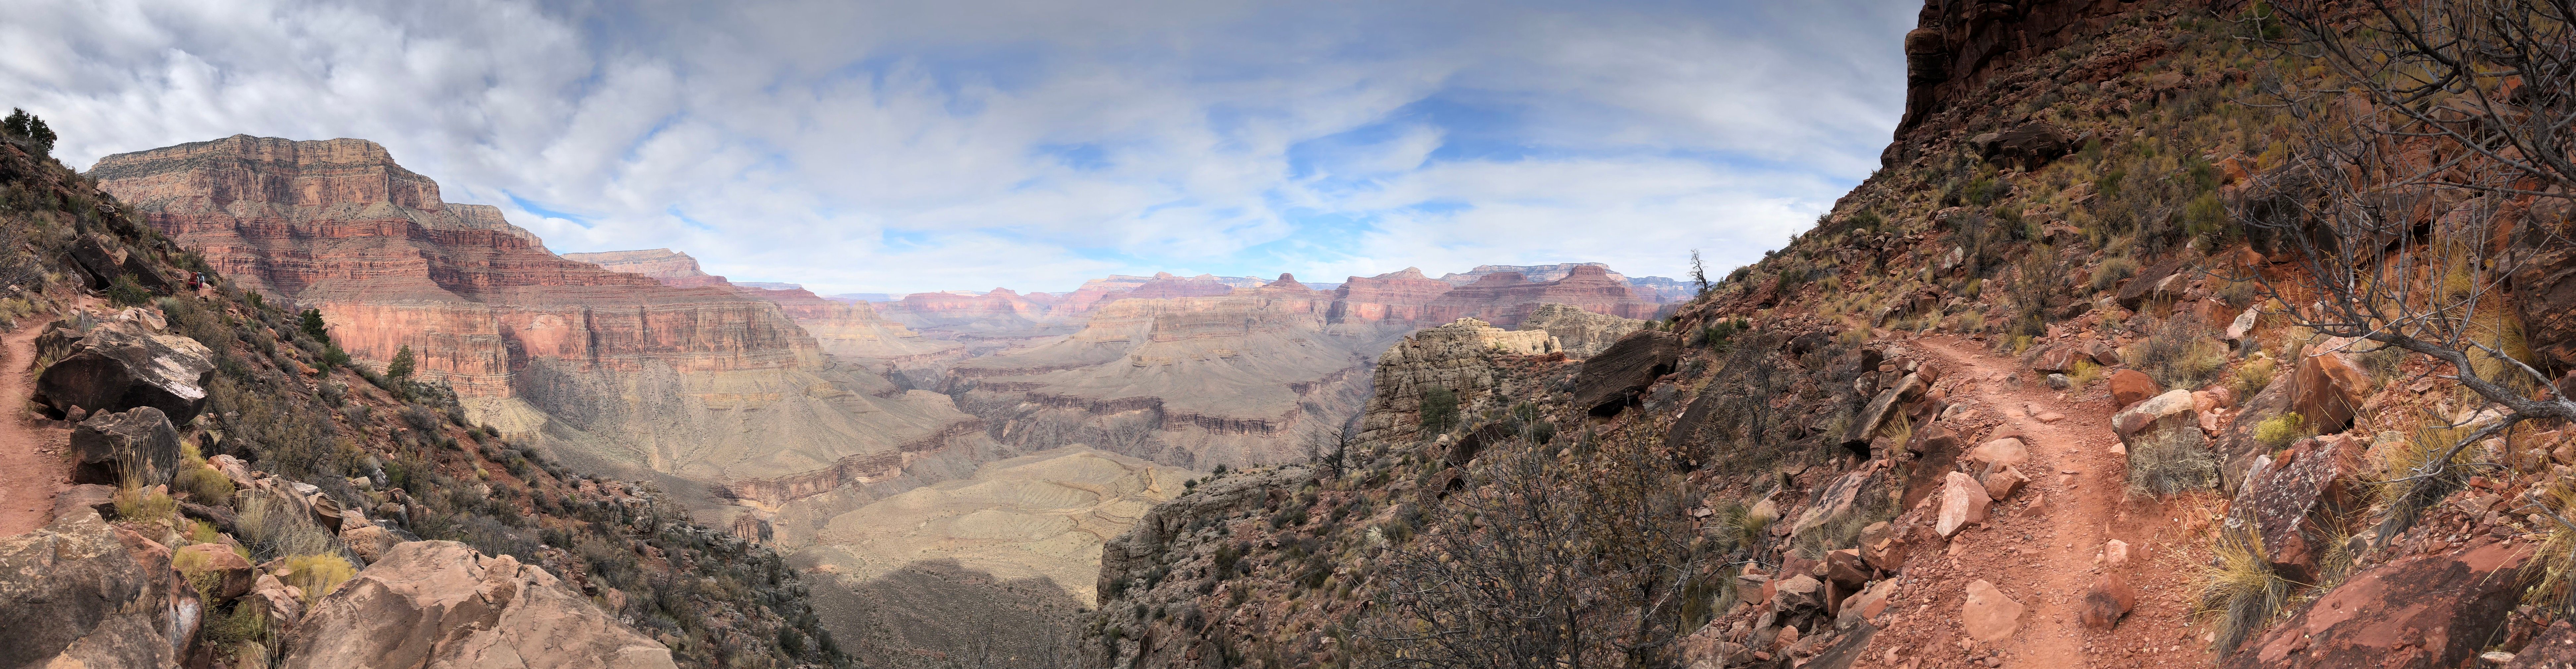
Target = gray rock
(121,365)
(1607,381)
(80,593)
(110,448)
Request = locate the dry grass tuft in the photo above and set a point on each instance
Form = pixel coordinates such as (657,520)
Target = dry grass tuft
(2239,593)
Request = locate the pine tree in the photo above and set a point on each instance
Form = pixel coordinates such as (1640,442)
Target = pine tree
(402,364)
(26,126)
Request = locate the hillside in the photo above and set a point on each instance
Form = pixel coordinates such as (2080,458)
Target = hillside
(201,479)
(2067,382)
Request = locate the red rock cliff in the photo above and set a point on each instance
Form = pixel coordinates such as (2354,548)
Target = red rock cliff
(338,226)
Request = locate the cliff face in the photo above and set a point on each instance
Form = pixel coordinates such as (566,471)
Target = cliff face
(672,268)
(849,330)
(699,380)
(1394,296)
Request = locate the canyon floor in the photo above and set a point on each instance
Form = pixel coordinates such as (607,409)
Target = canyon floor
(2042,546)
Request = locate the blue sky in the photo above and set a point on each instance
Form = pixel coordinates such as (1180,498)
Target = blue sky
(899,147)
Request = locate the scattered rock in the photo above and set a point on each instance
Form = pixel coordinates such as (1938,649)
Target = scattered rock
(89,496)
(1797,592)
(2055,359)
(1963,501)
(2000,452)
(111,447)
(2162,282)
(2129,387)
(2115,552)
(2428,610)
(2243,326)
(2050,417)
(2170,408)
(2060,382)
(1868,603)
(1844,567)
(2554,649)
(369,541)
(2108,599)
(440,603)
(1988,615)
(1848,494)
(284,603)
(1876,414)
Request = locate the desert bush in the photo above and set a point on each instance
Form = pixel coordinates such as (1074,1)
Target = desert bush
(144,505)
(205,485)
(2253,377)
(2168,462)
(2279,431)
(2239,591)
(273,527)
(1439,410)
(2180,353)
(318,574)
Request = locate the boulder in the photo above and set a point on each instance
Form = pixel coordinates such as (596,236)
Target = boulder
(1934,439)
(99,261)
(1867,604)
(2109,598)
(284,603)
(2171,408)
(2243,326)
(2102,352)
(2161,282)
(117,366)
(2291,502)
(2056,359)
(369,541)
(2236,444)
(439,603)
(2129,387)
(1963,501)
(2002,481)
(87,496)
(80,594)
(1875,415)
(2426,610)
(229,570)
(2029,145)
(1988,615)
(1609,380)
(1797,592)
(2327,386)
(139,444)
(1847,496)
(1753,588)
(1844,567)
(2002,452)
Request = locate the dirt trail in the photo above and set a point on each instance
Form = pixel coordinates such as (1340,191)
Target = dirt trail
(32,470)
(2044,557)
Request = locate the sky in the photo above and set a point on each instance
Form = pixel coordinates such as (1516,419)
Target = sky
(916,146)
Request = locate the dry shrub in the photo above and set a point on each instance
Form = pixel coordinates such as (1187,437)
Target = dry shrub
(318,574)
(2239,591)
(2180,352)
(2171,461)
(275,527)
(144,505)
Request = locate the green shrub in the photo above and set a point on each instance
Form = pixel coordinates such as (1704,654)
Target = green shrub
(1439,410)
(2277,432)
(318,575)
(205,485)
(144,505)
(125,292)
(2254,376)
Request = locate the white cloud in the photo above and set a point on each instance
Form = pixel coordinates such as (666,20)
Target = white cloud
(921,146)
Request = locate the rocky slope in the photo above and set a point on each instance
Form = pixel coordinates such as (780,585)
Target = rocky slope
(852,332)
(2017,400)
(697,382)
(281,518)
(1498,297)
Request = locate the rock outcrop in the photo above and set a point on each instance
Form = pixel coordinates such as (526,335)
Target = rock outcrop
(441,604)
(119,365)
(1582,333)
(672,268)
(1460,356)
(2420,611)
(1613,378)
(81,593)
(2294,503)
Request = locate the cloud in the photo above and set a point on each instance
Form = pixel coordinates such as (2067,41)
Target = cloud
(893,147)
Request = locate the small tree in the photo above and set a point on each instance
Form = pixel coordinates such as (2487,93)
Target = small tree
(314,327)
(402,365)
(1699,273)
(26,126)
(1439,409)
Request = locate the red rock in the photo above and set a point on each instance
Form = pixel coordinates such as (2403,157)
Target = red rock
(2001,482)
(2129,387)
(2109,598)
(2427,610)
(1609,380)
(1797,592)
(2326,387)
(1999,452)
(2055,359)
(2290,502)
(1987,615)
(2102,352)
(1845,567)
(2555,648)
(2172,407)
(1963,501)
(2115,552)
(230,571)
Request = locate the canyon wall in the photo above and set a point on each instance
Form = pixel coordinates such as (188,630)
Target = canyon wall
(1501,298)
(850,331)
(701,382)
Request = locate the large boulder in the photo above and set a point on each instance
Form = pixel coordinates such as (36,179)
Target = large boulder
(230,572)
(1880,409)
(2544,290)
(139,444)
(78,593)
(441,604)
(2432,610)
(2029,145)
(2293,501)
(2129,387)
(2161,282)
(121,365)
(2327,386)
(1963,502)
(1609,380)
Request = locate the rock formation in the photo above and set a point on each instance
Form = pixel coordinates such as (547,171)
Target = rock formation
(672,268)
(1460,356)
(1581,333)
(441,604)
(81,593)
(704,382)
